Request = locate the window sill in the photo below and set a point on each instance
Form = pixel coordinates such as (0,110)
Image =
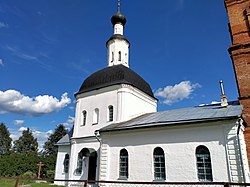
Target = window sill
(159,180)
(122,178)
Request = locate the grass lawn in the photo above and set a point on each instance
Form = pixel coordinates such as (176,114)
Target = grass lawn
(12,182)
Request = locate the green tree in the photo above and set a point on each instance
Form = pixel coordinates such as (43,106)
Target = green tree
(50,148)
(5,140)
(26,144)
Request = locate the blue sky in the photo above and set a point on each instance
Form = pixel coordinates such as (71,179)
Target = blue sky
(48,47)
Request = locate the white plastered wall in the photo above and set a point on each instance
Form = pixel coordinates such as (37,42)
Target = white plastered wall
(129,101)
(114,47)
(178,143)
(77,146)
(59,172)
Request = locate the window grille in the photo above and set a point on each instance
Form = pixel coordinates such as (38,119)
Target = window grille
(159,164)
(84,117)
(79,164)
(204,168)
(120,56)
(123,164)
(66,163)
(111,113)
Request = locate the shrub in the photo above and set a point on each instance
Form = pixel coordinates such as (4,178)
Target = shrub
(29,175)
(50,174)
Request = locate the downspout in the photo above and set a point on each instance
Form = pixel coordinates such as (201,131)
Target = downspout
(240,151)
(99,158)
(96,136)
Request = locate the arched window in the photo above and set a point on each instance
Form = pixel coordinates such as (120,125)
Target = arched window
(159,164)
(66,163)
(119,56)
(80,160)
(95,116)
(84,117)
(123,174)
(203,162)
(79,163)
(110,113)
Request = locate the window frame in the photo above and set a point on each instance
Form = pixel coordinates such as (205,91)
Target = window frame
(96,116)
(112,56)
(123,164)
(79,167)
(84,118)
(66,163)
(119,56)
(204,164)
(159,164)
(110,113)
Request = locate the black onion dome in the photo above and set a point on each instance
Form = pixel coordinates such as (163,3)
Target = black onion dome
(118,18)
(117,74)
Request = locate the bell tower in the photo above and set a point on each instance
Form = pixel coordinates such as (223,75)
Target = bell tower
(239,28)
(118,45)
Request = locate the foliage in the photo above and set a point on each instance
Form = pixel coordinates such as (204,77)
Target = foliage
(23,160)
(26,144)
(17,164)
(5,140)
(50,174)
(29,175)
(50,148)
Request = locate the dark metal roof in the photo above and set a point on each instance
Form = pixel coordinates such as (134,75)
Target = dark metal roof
(118,18)
(117,74)
(180,116)
(119,37)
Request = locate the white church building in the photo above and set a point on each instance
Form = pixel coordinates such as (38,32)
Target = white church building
(118,134)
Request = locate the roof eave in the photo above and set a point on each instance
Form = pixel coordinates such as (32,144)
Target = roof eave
(161,124)
(66,143)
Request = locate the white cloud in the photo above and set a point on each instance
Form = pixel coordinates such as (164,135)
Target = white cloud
(69,122)
(18,122)
(72,108)
(21,129)
(3,25)
(176,93)
(1,62)
(41,136)
(14,102)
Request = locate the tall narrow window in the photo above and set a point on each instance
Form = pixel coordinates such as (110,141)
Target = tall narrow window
(119,56)
(112,59)
(84,117)
(123,174)
(79,163)
(110,113)
(66,163)
(159,164)
(126,56)
(95,116)
(203,161)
